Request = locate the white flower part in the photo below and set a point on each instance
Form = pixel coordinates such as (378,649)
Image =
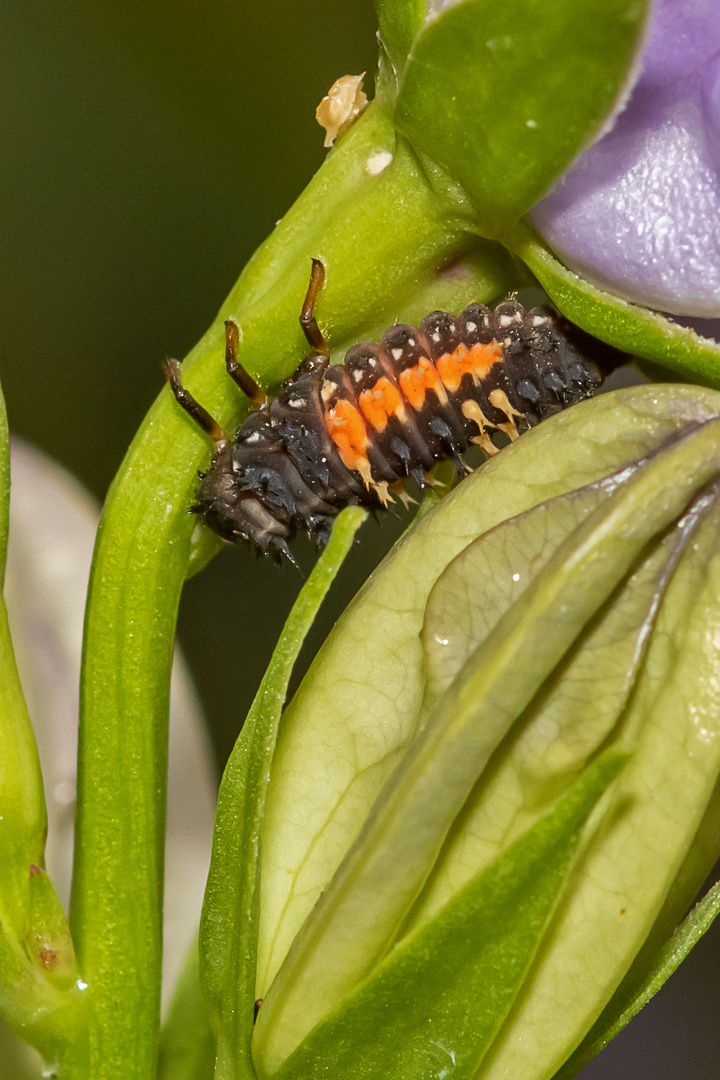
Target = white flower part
(53,521)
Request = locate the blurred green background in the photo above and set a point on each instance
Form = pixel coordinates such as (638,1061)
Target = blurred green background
(147,148)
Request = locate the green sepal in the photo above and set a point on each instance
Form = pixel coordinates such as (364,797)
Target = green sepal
(506,95)
(442,994)
(398,23)
(638,331)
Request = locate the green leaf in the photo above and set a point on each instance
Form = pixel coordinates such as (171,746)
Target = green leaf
(439,998)
(643,333)
(506,95)
(634,995)
(358,708)
(361,909)
(228,931)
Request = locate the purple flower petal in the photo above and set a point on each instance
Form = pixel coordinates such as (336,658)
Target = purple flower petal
(639,214)
(684,35)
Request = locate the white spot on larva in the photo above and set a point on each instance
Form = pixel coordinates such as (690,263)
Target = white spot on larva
(471,327)
(452,328)
(507,341)
(397,353)
(372,362)
(357,375)
(378,395)
(540,320)
(411,342)
(377,163)
(436,336)
(255,437)
(296,403)
(505,320)
(531,123)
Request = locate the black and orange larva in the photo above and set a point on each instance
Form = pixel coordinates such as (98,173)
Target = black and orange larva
(352,433)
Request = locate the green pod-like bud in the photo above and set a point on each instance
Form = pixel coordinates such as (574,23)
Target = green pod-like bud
(513,728)
(47,937)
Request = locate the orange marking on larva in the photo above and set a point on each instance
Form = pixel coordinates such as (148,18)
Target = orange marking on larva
(349,434)
(482,357)
(450,368)
(416,381)
(382,402)
(476,362)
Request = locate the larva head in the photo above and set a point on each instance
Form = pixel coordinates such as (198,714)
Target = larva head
(236,513)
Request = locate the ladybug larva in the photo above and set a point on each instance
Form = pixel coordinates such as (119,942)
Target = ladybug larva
(352,433)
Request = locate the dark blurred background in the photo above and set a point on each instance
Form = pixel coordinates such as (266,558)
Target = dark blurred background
(148,147)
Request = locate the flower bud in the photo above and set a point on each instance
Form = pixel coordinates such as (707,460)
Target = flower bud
(514,727)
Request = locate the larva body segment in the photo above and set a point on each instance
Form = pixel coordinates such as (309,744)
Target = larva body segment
(352,433)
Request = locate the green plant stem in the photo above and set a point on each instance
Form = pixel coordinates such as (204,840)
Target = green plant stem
(353,220)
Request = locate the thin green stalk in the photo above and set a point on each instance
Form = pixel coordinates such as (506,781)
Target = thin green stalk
(229,924)
(23,818)
(350,218)
(48,1015)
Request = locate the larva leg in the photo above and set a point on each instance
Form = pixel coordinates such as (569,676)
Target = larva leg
(235,369)
(312,331)
(192,407)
